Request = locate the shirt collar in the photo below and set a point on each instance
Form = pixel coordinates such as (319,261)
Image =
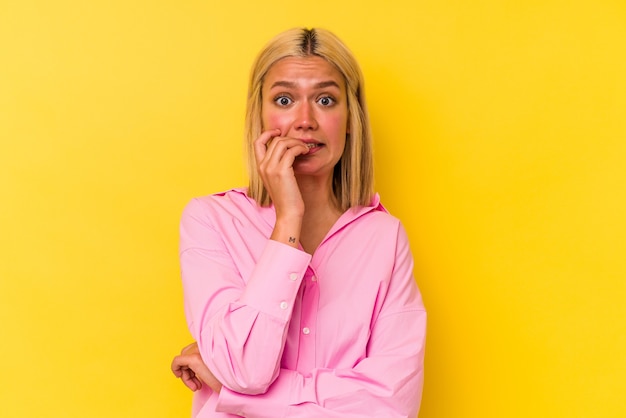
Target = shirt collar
(269,214)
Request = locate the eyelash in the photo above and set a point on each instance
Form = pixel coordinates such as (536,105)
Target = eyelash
(277,100)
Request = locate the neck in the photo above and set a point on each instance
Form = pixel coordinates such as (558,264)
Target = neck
(318,196)
(321,211)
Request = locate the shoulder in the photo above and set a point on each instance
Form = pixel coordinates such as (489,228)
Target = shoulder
(227,201)
(219,210)
(377,215)
(216,216)
(372,223)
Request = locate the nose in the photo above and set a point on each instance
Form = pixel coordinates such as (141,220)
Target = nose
(305,117)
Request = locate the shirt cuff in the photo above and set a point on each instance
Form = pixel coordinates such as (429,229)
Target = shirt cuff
(275,280)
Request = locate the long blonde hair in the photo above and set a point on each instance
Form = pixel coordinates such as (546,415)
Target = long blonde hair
(353,176)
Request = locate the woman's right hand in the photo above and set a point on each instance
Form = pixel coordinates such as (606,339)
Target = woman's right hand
(275,156)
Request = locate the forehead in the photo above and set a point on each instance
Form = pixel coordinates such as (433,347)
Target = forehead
(303,71)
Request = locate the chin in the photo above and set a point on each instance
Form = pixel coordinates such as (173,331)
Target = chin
(305,170)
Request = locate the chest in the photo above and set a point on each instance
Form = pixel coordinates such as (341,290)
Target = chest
(314,231)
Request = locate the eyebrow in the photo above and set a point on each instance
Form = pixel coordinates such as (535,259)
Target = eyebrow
(292,85)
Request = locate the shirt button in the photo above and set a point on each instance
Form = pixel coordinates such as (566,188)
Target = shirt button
(293,276)
(306,331)
(313,279)
(283,305)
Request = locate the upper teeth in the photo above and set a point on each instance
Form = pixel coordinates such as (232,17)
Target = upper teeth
(311,145)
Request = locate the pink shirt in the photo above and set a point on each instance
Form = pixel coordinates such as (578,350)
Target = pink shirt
(337,334)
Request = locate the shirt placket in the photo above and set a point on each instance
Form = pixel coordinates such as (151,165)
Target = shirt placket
(308,322)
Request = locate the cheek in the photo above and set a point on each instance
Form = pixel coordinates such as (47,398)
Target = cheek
(275,121)
(338,124)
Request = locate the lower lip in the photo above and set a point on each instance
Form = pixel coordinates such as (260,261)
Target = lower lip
(313,150)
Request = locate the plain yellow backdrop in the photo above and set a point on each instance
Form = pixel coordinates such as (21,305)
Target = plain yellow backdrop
(500,141)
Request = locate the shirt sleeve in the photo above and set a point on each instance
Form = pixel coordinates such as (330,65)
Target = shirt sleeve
(387,383)
(240,323)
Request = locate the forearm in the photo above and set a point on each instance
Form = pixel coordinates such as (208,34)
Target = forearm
(241,329)
(243,348)
(387,384)
(293,395)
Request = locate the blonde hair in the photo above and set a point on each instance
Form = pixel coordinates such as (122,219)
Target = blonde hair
(353,176)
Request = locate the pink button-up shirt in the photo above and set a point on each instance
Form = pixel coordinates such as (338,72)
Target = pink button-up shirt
(336,334)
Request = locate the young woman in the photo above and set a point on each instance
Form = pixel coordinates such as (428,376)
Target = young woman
(299,289)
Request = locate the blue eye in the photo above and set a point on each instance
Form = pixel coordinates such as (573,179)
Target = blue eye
(282,101)
(326,101)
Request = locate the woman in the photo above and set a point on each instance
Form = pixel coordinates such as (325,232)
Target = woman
(299,289)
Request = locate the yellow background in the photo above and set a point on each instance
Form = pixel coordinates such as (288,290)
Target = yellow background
(500,140)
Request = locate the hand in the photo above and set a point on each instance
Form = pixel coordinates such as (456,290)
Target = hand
(190,368)
(275,156)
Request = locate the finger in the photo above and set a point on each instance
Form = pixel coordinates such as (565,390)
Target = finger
(182,368)
(176,366)
(191,348)
(180,364)
(283,152)
(261,143)
(280,145)
(190,380)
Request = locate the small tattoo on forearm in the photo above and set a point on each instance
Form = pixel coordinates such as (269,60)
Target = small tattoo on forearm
(292,239)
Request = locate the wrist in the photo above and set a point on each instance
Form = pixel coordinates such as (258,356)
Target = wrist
(287,230)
